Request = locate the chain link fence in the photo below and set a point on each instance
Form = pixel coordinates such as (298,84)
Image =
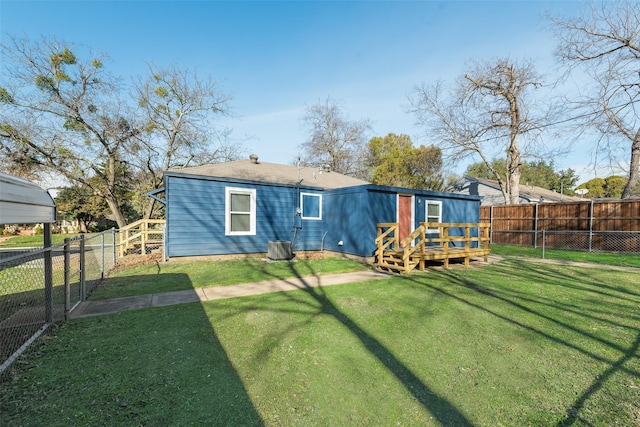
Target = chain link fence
(142,237)
(27,304)
(41,286)
(627,242)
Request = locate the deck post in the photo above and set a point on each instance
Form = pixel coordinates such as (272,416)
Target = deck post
(485,244)
(423,237)
(403,260)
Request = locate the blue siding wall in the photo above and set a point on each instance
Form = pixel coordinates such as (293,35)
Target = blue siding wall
(196,219)
(353,214)
(454,209)
(195,213)
(348,215)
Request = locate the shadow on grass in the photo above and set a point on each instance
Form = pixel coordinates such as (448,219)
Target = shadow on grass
(112,287)
(159,366)
(530,305)
(439,407)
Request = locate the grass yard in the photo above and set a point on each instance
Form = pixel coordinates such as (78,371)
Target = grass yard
(606,258)
(34,241)
(165,277)
(508,344)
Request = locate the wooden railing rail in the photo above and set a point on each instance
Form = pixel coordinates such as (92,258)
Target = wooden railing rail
(135,236)
(417,247)
(387,239)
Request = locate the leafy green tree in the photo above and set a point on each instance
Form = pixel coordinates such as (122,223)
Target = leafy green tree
(484,170)
(80,203)
(595,187)
(538,173)
(612,186)
(62,113)
(394,161)
(568,180)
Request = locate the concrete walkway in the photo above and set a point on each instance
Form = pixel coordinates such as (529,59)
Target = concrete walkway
(115,305)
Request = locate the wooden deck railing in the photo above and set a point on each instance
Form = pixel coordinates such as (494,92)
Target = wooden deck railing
(417,248)
(141,237)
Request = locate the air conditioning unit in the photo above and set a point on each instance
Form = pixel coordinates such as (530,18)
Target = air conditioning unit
(279,250)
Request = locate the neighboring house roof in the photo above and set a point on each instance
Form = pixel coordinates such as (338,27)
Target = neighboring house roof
(248,170)
(490,190)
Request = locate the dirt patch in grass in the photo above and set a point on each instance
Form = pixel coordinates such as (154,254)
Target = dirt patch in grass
(136,261)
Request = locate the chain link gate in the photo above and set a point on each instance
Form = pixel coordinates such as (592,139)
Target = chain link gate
(41,286)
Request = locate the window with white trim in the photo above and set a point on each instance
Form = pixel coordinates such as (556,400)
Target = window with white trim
(433,213)
(311,206)
(240,211)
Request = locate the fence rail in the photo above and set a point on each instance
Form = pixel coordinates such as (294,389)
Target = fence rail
(39,287)
(591,225)
(624,242)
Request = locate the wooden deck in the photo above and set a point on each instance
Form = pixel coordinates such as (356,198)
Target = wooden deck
(439,242)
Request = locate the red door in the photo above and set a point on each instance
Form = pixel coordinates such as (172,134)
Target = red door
(405,204)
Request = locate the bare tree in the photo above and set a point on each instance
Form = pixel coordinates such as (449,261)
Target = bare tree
(605,44)
(181,108)
(485,113)
(62,114)
(335,139)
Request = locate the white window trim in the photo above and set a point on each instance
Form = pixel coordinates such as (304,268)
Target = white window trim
(426,213)
(227,211)
(319,196)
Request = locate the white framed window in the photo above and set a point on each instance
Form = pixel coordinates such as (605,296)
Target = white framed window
(311,206)
(432,213)
(240,211)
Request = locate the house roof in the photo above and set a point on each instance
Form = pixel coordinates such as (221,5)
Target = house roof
(272,173)
(529,193)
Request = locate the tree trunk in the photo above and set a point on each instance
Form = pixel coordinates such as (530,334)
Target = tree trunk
(116,211)
(515,159)
(634,167)
(514,173)
(148,209)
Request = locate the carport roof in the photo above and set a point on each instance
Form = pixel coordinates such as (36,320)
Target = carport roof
(23,202)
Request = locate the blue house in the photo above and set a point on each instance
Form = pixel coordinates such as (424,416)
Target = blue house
(239,207)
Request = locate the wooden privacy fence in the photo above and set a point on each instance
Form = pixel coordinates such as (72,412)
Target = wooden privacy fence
(594,225)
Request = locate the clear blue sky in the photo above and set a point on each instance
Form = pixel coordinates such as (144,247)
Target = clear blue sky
(275,58)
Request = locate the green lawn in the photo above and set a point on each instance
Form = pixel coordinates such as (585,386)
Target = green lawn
(507,344)
(34,241)
(177,276)
(625,260)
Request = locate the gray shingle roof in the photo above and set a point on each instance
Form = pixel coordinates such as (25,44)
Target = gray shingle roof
(528,193)
(273,173)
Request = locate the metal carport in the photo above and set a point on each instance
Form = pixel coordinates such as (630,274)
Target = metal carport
(23,202)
